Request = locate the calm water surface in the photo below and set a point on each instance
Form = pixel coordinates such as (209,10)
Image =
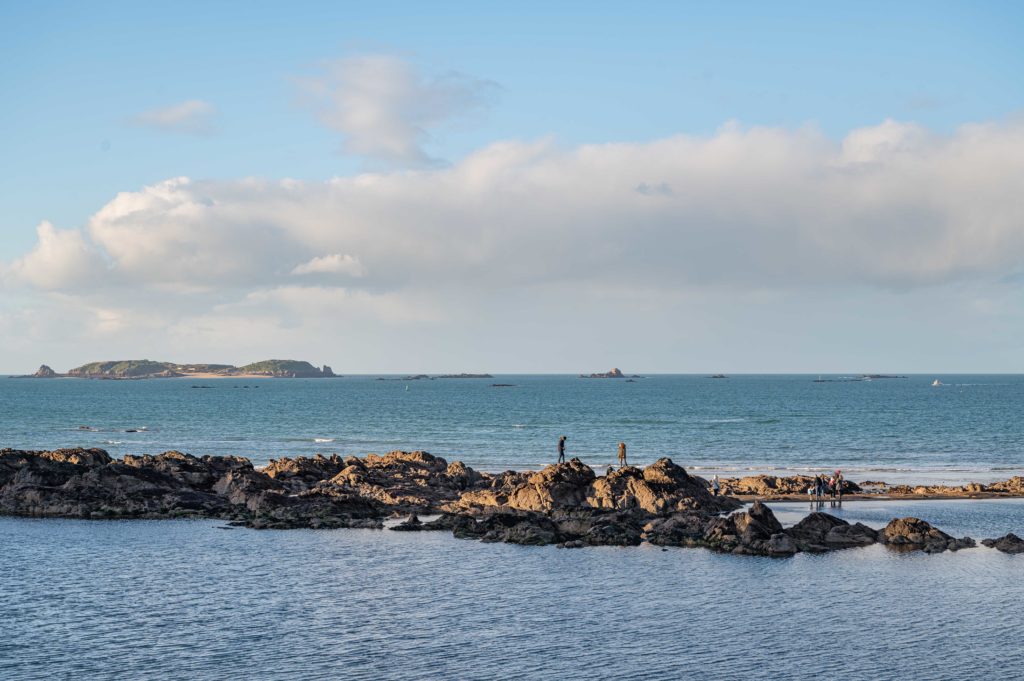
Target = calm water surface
(896,429)
(189,600)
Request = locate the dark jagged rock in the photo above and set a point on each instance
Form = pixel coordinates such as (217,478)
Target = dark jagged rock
(315,509)
(1009,543)
(820,532)
(44,372)
(917,535)
(411,524)
(88,483)
(678,529)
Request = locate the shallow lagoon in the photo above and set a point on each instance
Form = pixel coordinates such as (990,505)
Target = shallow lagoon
(187,599)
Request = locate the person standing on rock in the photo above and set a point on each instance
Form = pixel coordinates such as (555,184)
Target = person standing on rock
(839,485)
(622,453)
(561,449)
(715,487)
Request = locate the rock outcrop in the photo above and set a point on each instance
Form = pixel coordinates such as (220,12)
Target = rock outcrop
(1009,543)
(407,481)
(771,486)
(564,504)
(918,535)
(661,488)
(44,372)
(614,373)
(820,532)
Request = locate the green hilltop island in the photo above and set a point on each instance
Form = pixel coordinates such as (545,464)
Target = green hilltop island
(145,368)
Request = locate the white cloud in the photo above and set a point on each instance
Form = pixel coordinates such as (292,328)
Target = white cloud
(336,263)
(386,109)
(537,233)
(890,206)
(191,117)
(61,259)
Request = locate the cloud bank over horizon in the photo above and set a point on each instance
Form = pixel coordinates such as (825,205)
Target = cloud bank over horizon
(544,231)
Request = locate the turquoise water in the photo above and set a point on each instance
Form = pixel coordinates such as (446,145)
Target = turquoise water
(896,429)
(189,600)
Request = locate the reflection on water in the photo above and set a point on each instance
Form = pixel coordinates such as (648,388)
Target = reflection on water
(189,600)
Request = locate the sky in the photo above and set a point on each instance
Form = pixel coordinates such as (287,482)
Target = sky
(531,187)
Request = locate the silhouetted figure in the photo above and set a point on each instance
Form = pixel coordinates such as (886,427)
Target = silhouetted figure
(622,453)
(561,449)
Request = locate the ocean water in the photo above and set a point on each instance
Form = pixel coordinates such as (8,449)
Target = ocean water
(191,600)
(891,429)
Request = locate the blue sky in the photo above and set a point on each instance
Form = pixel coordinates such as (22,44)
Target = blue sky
(83,84)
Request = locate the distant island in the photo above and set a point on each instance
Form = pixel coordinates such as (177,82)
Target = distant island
(614,373)
(144,368)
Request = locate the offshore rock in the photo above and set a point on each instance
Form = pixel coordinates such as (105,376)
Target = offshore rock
(753,532)
(1009,543)
(917,535)
(819,532)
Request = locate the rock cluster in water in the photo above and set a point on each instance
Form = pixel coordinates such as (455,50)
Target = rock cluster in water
(564,504)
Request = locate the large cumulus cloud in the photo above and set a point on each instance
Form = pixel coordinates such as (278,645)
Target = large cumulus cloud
(893,205)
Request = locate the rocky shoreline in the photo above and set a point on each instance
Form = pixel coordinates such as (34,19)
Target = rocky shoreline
(565,504)
(794,488)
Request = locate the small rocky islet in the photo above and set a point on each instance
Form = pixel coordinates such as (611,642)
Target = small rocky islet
(564,504)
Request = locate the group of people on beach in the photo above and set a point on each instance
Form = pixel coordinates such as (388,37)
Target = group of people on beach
(832,485)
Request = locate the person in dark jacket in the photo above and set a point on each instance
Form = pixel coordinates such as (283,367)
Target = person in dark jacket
(561,449)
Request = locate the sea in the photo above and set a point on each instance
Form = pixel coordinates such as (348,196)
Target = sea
(968,428)
(197,599)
